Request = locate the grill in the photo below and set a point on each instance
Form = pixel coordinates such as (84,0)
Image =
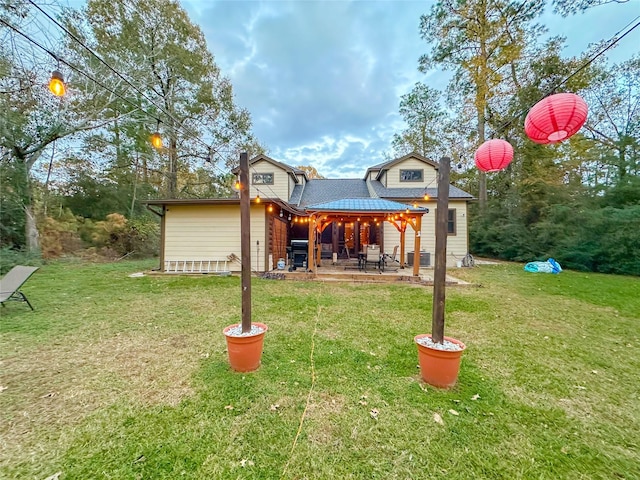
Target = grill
(298,253)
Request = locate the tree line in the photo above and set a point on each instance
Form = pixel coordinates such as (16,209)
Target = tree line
(578,201)
(132,68)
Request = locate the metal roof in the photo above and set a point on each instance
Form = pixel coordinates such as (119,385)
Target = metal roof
(323,190)
(363,205)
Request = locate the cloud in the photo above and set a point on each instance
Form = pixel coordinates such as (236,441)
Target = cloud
(322,80)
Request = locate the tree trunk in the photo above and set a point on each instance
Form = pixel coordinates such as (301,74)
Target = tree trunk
(31,229)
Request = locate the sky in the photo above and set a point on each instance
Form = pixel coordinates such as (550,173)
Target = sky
(322,80)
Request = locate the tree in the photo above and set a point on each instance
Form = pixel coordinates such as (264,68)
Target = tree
(174,78)
(32,118)
(614,118)
(567,7)
(310,171)
(480,40)
(425,117)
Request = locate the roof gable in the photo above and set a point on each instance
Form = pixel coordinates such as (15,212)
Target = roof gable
(382,167)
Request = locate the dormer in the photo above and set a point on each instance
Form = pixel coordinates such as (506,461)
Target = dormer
(411,171)
(272,179)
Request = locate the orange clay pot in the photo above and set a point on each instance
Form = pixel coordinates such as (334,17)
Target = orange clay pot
(245,352)
(439,367)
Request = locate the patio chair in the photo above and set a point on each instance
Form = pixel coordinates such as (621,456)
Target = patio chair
(372,255)
(391,258)
(10,284)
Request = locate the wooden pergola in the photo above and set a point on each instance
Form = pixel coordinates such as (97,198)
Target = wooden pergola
(374,210)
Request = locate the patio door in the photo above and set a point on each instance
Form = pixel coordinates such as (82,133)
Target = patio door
(278,240)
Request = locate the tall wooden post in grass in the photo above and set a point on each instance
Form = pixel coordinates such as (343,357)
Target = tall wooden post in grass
(440,268)
(245,241)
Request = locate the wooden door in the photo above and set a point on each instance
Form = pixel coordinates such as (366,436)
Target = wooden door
(279,240)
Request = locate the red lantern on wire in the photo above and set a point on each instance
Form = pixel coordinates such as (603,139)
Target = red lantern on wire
(494,155)
(555,118)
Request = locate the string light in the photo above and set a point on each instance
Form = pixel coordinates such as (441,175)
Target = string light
(156,140)
(270,209)
(56,84)
(258,200)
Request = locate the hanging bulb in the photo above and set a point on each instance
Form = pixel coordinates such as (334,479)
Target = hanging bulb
(407,210)
(289,217)
(281,214)
(426,196)
(56,84)
(236,186)
(156,140)
(270,208)
(258,200)
(415,205)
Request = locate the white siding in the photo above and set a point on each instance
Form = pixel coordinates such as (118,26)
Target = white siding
(457,245)
(280,187)
(393,174)
(206,232)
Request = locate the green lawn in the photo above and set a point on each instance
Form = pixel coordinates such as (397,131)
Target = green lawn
(115,377)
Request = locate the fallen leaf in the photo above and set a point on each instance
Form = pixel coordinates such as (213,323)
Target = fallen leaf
(229,407)
(49,395)
(453,412)
(456,401)
(580,387)
(55,476)
(274,407)
(140,459)
(2,388)
(362,402)
(594,372)
(475,397)
(244,462)
(374,413)
(438,419)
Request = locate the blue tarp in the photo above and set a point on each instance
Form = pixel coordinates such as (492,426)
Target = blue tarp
(550,266)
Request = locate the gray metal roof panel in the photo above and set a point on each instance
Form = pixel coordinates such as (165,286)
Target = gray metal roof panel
(323,190)
(363,205)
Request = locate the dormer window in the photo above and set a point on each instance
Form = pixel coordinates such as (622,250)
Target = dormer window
(263,179)
(411,175)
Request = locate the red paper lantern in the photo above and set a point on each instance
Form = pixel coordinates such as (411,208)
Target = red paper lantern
(494,155)
(556,118)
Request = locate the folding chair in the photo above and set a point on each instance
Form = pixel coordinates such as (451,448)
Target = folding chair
(372,255)
(10,284)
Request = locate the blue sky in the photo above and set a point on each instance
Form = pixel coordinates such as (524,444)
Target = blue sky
(323,79)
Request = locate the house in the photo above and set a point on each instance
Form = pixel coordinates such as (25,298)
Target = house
(295,218)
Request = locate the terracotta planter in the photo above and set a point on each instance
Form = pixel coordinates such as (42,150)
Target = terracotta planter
(439,367)
(245,352)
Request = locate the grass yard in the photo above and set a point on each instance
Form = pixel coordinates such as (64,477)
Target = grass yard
(115,377)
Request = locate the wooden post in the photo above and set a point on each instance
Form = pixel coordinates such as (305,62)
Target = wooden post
(402,239)
(245,242)
(312,243)
(416,247)
(440,269)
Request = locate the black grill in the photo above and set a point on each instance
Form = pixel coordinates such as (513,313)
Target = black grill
(298,253)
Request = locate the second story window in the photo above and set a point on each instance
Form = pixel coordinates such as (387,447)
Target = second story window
(411,175)
(262,179)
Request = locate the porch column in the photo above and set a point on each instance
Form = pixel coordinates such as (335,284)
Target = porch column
(416,246)
(312,243)
(402,238)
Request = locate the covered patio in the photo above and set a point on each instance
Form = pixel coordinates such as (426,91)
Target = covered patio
(372,212)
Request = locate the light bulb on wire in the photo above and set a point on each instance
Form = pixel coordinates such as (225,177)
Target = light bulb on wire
(56,84)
